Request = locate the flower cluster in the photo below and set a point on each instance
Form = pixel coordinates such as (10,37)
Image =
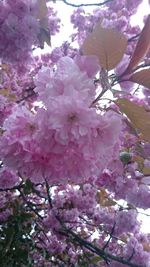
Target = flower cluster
(21,29)
(8,179)
(74,139)
(65,139)
(117,15)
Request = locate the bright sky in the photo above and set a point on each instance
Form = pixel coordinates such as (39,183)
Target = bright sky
(64,12)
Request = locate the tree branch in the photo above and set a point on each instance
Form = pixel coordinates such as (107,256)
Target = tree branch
(30,205)
(110,236)
(134,38)
(83,5)
(98,251)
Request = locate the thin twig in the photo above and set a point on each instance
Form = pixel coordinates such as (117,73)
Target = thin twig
(110,236)
(30,205)
(83,5)
(133,38)
(48,194)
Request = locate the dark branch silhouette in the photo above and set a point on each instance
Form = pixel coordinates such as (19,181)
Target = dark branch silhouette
(75,238)
(82,5)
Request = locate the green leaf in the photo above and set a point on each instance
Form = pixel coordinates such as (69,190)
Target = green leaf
(96,259)
(27,187)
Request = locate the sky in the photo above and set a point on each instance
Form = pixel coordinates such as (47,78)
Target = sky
(64,12)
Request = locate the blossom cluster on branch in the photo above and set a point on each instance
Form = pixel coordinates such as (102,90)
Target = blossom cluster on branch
(23,25)
(74,137)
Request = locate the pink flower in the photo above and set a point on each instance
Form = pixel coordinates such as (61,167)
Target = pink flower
(8,179)
(89,64)
(67,78)
(65,140)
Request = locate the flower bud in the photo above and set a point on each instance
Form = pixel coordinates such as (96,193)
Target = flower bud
(125,157)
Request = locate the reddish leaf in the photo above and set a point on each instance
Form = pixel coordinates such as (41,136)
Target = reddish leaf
(44,37)
(138,116)
(141,77)
(141,167)
(146,245)
(140,162)
(42,9)
(146,171)
(104,200)
(44,23)
(142,47)
(108,45)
